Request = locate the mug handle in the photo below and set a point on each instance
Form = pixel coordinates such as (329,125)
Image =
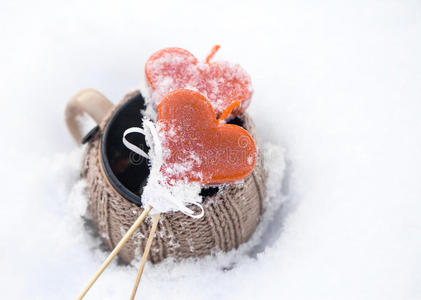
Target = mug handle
(88,101)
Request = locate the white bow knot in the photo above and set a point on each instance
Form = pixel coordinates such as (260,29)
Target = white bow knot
(157,192)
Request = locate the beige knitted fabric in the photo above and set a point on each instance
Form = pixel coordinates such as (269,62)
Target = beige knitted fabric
(231,216)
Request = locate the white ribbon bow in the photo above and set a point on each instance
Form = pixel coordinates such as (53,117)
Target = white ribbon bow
(157,193)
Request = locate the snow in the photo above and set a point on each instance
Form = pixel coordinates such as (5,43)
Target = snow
(336,84)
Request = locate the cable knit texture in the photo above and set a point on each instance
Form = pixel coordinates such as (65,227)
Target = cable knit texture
(231,215)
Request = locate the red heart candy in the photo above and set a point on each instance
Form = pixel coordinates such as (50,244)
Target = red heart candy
(198,147)
(221,82)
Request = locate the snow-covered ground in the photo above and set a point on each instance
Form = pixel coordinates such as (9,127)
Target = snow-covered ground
(337,85)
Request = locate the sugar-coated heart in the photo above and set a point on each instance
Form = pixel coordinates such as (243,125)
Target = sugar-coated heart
(220,82)
(198,147)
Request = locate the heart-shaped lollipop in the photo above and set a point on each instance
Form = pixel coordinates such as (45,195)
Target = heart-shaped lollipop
(199,147)
(221,82)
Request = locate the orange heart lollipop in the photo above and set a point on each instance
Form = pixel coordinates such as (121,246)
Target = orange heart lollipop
(222,83)
(197,146)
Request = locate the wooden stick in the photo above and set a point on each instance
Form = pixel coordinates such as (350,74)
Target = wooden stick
(116,250)
(145,255)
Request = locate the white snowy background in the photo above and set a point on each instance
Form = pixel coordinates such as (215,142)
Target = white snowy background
(337,85)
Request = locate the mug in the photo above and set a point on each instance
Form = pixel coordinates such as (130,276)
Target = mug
(116,176)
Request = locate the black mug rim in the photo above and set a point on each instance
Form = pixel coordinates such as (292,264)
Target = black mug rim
(112,178)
